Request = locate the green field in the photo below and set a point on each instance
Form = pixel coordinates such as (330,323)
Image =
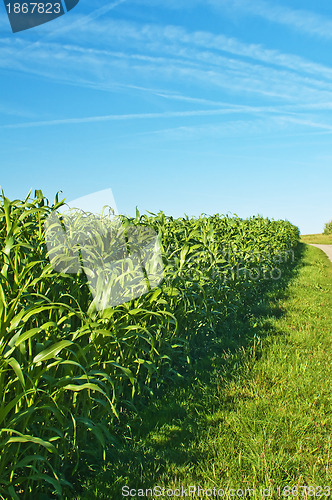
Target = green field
(219,375)
(319,239)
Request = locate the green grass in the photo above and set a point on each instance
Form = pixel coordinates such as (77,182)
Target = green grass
(256,415)
(319,239)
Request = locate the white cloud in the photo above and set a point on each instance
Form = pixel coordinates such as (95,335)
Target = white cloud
(120,55)
(135,116)
(301,20)
(169,56)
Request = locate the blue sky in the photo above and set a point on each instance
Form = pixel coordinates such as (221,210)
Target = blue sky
(185,106)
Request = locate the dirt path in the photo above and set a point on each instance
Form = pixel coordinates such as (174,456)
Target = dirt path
(326,248)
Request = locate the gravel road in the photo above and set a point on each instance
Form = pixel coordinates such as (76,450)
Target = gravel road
(326,248)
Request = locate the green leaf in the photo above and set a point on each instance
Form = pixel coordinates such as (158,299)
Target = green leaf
(17,369)
(52,351)
(26,438)
(92,387)
(126,371)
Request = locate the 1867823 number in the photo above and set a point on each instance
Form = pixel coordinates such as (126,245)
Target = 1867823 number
(26,14)
(33,8)
(304,491)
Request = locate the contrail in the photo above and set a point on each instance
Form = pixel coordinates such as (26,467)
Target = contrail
(136,116)
(81,21)
(85,19)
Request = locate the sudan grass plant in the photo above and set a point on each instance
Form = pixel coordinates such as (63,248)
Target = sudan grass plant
(68,370)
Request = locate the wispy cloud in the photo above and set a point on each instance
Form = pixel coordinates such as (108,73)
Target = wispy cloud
(141,116)
(263,125)
(301,20)
(153,57)
(160,39)
(166,46)
(305,21)
(327,127)
(79,22)
(15,110)
(172,55)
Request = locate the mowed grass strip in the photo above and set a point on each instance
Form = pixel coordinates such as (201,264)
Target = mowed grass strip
(258,416)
